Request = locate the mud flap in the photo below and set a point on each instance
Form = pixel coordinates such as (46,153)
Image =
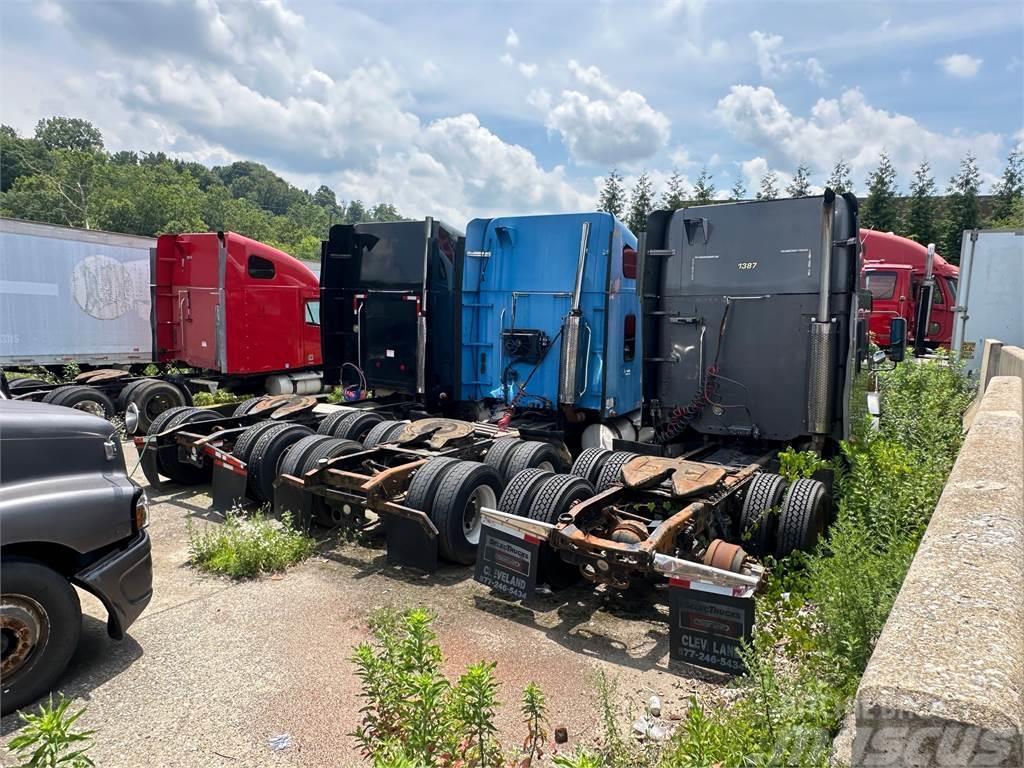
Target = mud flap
(708,624)
(229,486)
(295,500)
(408,544)
(507,561)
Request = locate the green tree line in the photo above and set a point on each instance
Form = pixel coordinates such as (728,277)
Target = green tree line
(64,175)
(922,214)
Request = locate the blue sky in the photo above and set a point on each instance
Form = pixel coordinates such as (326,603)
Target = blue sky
(458,109)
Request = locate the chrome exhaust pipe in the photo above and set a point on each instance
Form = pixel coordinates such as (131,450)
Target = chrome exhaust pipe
(821,352)
(568,378)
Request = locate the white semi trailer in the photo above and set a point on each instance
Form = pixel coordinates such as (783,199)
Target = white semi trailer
(990,299)
(73,294)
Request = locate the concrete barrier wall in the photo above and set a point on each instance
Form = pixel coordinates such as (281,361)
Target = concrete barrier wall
(998,359)
(945,684)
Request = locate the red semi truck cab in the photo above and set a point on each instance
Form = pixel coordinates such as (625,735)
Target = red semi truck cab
(225,303)
(893,269)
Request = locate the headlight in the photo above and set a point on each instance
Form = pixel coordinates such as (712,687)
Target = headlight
(141,512)
(131,418)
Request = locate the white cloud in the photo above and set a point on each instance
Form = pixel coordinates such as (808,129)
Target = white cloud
(775,64)
(847,127)
(527,70)
(511,39)
(960,65)
(692,9)
(600,124)
(506,59)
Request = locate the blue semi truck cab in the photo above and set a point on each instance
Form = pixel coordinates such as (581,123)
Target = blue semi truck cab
(551,316)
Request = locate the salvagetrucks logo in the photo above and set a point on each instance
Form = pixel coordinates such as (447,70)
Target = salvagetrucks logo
(505,565)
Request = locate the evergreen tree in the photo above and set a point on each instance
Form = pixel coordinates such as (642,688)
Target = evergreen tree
(801,184)
(1010,187)
(738,191)
(613,195)
(880,211)
(676,195)
(769,186)
(641,203)
(961,207)
(840,180)
(704,189)
(921,223)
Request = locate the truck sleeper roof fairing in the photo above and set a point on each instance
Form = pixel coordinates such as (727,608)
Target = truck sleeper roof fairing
(523,282)
(737,342)
(389,305)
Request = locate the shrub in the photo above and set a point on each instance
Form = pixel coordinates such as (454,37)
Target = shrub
(202,399)
(49,740)
(414,716)
(247,547)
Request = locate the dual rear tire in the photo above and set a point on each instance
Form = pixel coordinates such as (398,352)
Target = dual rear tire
(776,520)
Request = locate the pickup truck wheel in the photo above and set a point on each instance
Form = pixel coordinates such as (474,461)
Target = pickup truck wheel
(463,491)
(425,482)
(759,518)
(554,498)
(611,472)
(499,454)
(517,498)
(803,518)
(178,472)
(535,454)
(589,463)
(383,433)
(83,398)
(266,457)
(151,397)
(40,622)
(25,385)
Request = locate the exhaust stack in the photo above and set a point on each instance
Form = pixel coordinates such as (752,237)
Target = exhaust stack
(572,328)
(822,346)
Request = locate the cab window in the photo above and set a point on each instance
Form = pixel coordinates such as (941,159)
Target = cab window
(881,284)
(628,262)
(313,312)
(260,268)
(628,338)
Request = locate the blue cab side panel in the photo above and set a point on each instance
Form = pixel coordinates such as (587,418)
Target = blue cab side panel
(519,275)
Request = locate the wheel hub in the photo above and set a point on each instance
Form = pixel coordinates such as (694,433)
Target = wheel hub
(92,407)
(24,627)
(482,496)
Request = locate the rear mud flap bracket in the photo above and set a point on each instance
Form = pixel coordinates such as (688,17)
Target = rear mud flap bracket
(230,482)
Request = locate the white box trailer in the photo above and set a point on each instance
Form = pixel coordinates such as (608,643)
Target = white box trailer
(73,294)
(990,298)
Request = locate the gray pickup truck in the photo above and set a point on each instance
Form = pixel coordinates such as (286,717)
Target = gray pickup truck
(69,516)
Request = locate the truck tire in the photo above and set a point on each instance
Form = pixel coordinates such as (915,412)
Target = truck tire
(803,518)
(266,457)
(152,397)
(246,440)
(383,433)
(425,482)
(122,397)
(25,385)
(179,472)
(160,422)
(611,472)
(463,490)
(535,454)
(759,518)
(337,447)
(243,408)
(295,459)
(83,398)
(351,426)
(555,497)
(588,464)
(43,621)
(517,498)
(500,452)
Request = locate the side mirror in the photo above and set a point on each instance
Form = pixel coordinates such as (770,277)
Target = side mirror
(897,339)
(878,358)
(865,299)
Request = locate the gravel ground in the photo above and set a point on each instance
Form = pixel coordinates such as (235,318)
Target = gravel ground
(214,668)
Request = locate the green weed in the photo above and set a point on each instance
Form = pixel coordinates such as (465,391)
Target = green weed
(247,547)
(49,739)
